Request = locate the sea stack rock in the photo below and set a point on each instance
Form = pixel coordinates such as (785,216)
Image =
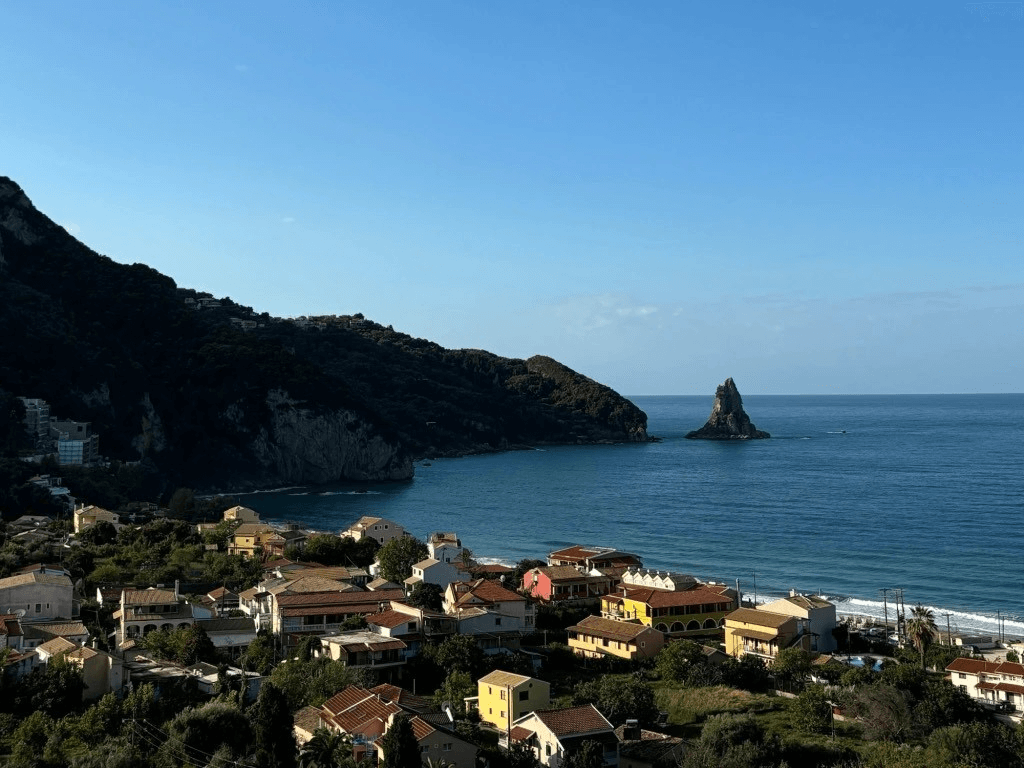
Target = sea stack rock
(728,419)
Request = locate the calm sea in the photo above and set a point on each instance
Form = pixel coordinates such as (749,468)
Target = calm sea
(850,496)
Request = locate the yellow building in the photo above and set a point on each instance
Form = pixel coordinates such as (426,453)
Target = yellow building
(88,516)
(250,537)
(595,637)
(504,696)
(749,631)
(699,610)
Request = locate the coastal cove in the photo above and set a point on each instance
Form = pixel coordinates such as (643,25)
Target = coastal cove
(852,494)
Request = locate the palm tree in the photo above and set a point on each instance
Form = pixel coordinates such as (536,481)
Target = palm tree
(921,629)
(327,749)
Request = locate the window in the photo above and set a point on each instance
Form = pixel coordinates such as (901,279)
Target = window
(524,695)
(39,607)
(961,675)
(447,746)
(547,749)
(502,694)
(497,621)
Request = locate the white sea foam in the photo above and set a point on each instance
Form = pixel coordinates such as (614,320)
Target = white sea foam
(958,621)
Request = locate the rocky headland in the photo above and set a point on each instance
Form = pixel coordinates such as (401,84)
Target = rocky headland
(214,395)
(728,420)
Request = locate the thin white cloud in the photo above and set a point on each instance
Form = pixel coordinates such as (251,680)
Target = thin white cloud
(288,220)
(585,314)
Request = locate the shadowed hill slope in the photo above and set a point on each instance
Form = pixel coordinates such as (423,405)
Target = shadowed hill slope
(223,397)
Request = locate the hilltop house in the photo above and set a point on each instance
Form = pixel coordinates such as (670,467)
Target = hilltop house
(438,572)
(87,516)
(322,613)
(595,637)
(366,715)
(38,595)
(495,616)
(503,697)
(145,610)
(255,540)
(550,733)
(363,648)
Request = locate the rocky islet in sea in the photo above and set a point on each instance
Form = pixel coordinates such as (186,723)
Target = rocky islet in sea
(728,420)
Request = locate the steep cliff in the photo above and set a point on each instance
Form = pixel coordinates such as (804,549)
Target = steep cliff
(218,395)
(728,420)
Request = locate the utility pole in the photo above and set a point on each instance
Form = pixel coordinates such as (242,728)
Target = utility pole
(949,631)
(901,613)
(755,589)
(885,607)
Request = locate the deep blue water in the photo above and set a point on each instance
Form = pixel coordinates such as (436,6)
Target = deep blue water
(851,494)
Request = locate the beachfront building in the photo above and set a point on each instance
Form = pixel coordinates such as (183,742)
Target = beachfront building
(999,684)
(445,547)
(552,732)
(377,528)
(680,607)
(756,632)
(589,558)
(565,583)
(503,697)
(819,614)
(597,637)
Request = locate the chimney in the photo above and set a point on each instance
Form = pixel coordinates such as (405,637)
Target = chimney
(631,732)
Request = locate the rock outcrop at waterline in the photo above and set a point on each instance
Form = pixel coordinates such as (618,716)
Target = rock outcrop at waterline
(728,420)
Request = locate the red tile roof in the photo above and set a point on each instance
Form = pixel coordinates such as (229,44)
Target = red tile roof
(1010,688)
(972,666)
(482,589)
(345,699)
(421,728)
(389,619)
(518,733)
(575,721)
(702,594)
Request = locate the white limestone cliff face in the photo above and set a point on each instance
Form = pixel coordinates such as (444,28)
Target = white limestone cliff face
(301,446)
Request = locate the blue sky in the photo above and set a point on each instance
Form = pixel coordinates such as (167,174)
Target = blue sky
(823,197)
